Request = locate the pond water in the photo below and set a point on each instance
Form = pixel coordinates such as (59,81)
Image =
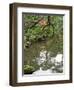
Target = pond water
(46,57)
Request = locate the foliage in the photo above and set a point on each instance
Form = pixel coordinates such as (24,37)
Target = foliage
(38,28)
(28,69)
(41,30)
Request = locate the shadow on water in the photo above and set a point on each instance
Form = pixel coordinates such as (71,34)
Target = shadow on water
(45,56)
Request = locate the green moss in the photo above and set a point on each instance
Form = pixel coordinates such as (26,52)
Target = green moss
(28,69)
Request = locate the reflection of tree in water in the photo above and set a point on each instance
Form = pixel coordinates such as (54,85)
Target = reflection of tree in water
(46,62)
(42,54)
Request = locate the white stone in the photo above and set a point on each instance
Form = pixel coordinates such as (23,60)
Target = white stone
(59,57)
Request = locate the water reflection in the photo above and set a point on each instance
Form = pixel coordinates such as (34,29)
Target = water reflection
(45,57)
(49,64)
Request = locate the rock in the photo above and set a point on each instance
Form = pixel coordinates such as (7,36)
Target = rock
(28,44)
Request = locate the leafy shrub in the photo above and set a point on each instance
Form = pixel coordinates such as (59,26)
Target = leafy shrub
(28,69)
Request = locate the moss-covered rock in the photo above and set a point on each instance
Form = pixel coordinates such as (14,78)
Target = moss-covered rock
(28,69)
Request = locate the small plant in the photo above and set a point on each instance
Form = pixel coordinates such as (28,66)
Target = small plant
(28,69)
